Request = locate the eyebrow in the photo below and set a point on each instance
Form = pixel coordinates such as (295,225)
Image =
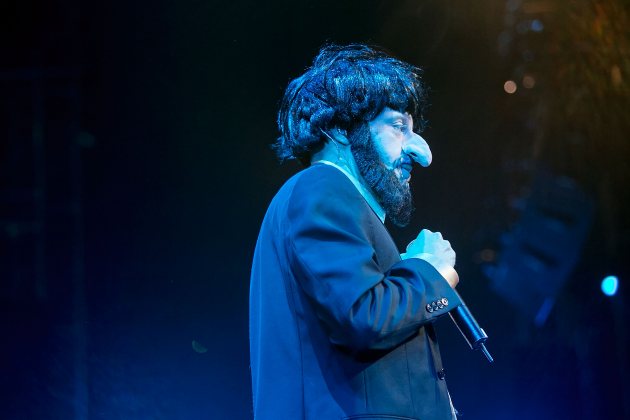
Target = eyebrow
(395,115)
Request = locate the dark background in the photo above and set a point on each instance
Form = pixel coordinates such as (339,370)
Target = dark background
(136,169)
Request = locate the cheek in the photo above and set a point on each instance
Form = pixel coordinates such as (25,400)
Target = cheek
(389,151)
(387,145)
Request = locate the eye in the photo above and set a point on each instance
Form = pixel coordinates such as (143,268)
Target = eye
(400,127)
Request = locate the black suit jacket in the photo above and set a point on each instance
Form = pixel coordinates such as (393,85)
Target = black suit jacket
(339,326)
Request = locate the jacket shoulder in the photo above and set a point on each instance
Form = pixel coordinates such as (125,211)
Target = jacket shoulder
(324,180)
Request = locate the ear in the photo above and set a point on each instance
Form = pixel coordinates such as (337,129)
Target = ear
(340,136)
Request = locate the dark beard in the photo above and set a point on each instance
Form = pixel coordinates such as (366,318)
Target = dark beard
(393,195)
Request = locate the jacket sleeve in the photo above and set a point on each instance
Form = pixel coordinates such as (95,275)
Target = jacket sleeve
(362,305)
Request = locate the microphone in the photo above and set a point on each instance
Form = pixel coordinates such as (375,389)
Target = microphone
(474,335)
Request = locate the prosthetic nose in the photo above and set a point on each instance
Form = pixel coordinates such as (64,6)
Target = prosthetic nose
(418,149)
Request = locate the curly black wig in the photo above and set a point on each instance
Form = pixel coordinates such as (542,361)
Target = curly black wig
(345,86)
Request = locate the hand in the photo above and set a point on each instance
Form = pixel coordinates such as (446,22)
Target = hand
(431,247)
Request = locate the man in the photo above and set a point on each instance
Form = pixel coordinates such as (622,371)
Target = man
(340,322)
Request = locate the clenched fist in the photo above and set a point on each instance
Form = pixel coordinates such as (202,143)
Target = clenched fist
(437,251)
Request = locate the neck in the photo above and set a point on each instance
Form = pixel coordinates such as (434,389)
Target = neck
(340,155)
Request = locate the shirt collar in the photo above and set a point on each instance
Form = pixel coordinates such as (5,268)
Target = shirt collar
(365,192)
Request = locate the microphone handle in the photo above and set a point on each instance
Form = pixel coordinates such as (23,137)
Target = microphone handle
(474,335)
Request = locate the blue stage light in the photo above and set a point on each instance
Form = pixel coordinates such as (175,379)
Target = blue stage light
(610,284)
(537,25)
